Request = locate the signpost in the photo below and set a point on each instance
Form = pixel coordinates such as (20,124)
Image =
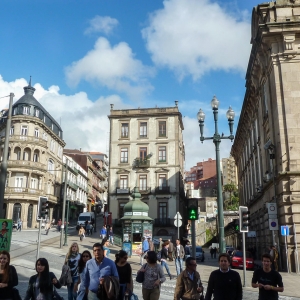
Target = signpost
(285,231)
(178,222)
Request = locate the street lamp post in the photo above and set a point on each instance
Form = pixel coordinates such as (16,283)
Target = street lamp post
(217,140)
(67,221)
(3,172)
(64,205)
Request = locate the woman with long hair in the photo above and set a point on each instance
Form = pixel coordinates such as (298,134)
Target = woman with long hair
(40,286)
(72,259)
(8,276)
(125,273)
(154,276)
(105,244)
(85,256)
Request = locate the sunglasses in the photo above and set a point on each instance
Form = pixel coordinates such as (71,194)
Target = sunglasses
(85,256)
(125,257)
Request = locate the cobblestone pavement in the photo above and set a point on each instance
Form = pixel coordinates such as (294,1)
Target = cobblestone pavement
(23,252)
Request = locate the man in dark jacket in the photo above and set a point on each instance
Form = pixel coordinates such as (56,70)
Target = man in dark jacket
(224,284)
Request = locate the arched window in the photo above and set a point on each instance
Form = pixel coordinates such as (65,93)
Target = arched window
(17,212)
(51,166)
(26,154)
(36,156)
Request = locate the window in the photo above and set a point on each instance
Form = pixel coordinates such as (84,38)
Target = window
(34,183)
(15,111)
(162,210)
(143,182)
(19,182)
(24,130)
(162,128)
(123,182)
(12,130)
(52,146)
(121,210)
(26,155)
(37,113)
(59,151)
(51,166)
(36,132)
(124,130)
(25,110)
(124,155)
(162,154)
(162,181)
(35,157)
(45,136)
(143,129)
(143,153)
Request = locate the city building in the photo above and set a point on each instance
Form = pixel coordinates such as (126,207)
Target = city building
(94,164)
(34,160)
(266,146)
(229,171)
(147,151)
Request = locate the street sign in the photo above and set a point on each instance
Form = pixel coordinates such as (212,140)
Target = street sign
(272,208)
(178,215)
(273,224)
(251,234)
(285,230)
(177,223)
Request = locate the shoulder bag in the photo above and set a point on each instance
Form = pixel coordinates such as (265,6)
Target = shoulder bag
(140,277)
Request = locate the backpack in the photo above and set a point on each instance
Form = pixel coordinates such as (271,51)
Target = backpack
(65,277)
(187,250)
(159,255)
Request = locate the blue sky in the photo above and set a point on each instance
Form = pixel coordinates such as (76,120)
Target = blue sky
(85,54)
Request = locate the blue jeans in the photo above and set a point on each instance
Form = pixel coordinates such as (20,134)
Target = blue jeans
(178,264)
(71,294)
(164,264)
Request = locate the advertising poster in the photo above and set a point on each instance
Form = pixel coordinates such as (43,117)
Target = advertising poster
(147,230)
(136,248)
(127,247)
(5,234)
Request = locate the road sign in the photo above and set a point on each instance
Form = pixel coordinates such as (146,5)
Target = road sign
(178,215)
(177,223)
(285,230)
(272,208)
(251,234)
(273,224)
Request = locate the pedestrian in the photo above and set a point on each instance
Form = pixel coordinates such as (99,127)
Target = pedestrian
(151,245)
(275,258)
(170,250)
(8,276)
(164,257)
(179,255)
(154,276)
(95,271)
(47,228)
(267,280)
(59,222)
(111,235)
(85,256)
(20,223)
(215,251)
(145,249)
(188,284)
(81,233)
(103,232)
(125,274)
(159,248)
(224,283)
(211,251)
(40,286)
(71,260)
(187,250)
(88,228)
(105,244)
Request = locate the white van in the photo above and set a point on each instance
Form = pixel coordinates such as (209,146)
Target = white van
(86,216)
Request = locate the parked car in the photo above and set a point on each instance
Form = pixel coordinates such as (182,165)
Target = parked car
(237,260)
(199,253)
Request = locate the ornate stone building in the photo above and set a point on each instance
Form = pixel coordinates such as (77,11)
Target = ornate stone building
(267,144)
(35,160)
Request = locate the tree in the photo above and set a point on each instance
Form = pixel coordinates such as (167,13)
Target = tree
(233,202)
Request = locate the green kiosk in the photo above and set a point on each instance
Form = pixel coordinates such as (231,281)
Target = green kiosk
(136,224)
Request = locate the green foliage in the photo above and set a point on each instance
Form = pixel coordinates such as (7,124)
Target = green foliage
(233,202)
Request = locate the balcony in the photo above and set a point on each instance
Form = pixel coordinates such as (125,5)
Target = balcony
(162,190)
(145,190)
(122,190)
(27,139)
(163,222)
(26,164)
(72,185)
(141,163)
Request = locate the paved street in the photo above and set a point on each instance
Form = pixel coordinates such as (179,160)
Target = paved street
(23,252)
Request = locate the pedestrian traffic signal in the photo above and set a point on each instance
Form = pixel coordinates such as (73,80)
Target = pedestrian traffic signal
(244,218)
(236,225)
(42,208)
(192,212)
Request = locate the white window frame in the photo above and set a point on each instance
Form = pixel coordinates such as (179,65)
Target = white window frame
(26,110)
(124,155)
(24,130)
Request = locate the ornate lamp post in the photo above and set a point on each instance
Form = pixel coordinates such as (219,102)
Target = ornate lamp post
(217,140)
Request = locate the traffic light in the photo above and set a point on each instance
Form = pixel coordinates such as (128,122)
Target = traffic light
(192,212)
(244,218)
(236,225)
(42,208)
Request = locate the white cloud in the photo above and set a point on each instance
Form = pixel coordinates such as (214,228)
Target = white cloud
(193,37)
(113,67)
(102,25)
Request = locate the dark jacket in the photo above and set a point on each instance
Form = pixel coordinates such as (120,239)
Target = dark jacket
(109,290)
(164,253)
(187,288)
(7,292)
(30,293)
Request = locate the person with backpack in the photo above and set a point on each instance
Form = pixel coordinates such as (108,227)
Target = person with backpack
(187,250)
(163,258)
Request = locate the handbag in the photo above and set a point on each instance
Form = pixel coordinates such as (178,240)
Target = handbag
(140,277)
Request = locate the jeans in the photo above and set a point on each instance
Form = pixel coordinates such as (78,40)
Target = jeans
(178,264)
(164,264)
(92,296)
(71,294)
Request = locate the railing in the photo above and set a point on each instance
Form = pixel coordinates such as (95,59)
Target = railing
(25,163)
(145,190)
(142,163)
(163,222)
(162,190)
(122,190)
(72,185)
(27,138)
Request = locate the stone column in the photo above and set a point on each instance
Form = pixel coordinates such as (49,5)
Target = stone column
(25,214)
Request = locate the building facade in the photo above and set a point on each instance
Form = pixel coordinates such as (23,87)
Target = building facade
(147,151)
(266,148)
(34,162)
(229,171)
